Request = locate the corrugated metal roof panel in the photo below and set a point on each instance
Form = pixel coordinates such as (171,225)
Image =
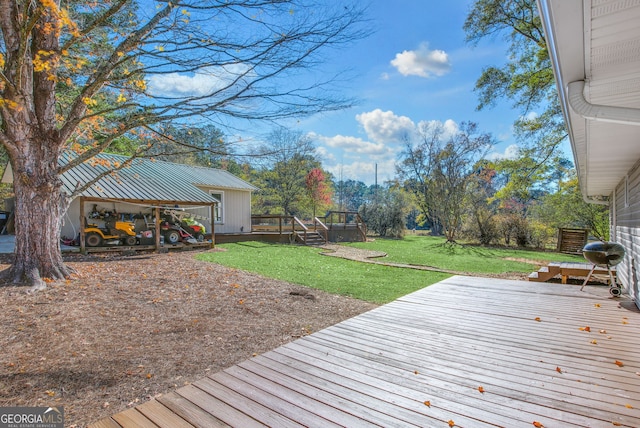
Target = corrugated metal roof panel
(145,179)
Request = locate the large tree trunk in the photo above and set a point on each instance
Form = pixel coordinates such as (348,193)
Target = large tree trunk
(39,208)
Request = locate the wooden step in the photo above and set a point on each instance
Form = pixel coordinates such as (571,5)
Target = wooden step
(313,238)
(545,273)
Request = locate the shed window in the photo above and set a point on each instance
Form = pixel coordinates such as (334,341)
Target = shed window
(218,209)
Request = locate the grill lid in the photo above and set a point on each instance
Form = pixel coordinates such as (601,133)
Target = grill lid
(603,253)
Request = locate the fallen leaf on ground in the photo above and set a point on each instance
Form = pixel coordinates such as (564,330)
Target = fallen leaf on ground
(603,331)
(480,389)
(597,305)
(537,424)
(537,319)
(619,363)
(595,342)
(628,406)
(427,403)
(587,328)
(558,369)
(451,423)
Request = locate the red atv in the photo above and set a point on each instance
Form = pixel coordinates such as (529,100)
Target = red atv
(175,229)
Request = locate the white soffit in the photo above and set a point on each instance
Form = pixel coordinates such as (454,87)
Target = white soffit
(598,42)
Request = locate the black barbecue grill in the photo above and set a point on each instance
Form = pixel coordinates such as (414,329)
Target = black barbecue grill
(606,255)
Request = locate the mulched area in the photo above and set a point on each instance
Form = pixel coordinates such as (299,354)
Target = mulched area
(129,328)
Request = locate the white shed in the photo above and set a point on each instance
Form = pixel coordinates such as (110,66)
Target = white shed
(212,195)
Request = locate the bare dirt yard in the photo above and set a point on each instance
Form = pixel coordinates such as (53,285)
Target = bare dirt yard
(129,328)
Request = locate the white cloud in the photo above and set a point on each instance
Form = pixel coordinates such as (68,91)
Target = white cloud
(449,127)
(326,155)
(422,62)
(385,126)
(353,146)
(510,152)
(364,171)
(201,83)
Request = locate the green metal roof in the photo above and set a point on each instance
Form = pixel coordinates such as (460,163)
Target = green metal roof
(146,179)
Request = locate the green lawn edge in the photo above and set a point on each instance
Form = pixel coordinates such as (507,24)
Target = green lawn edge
(307,266)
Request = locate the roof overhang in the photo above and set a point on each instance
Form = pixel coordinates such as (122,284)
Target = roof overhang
(594,46)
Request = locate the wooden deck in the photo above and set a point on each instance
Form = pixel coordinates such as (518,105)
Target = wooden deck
(424,360)
(570,269)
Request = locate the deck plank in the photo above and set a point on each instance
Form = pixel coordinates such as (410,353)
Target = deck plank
(106,423)
(245,404)
(292,409)
(161,415)
(190,412)
(132,417)
(525,343)
(300,394)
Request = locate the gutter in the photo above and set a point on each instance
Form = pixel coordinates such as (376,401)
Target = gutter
(600,113)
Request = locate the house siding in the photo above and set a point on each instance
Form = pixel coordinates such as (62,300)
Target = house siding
(236,211)
(625,229)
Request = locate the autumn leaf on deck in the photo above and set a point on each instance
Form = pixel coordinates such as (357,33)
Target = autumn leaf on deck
(537,424)
(481,389)
(427,403)
(628,406)
(619,363)
(616,424)
(558,369)
(594,342)
(603,331)
(451,423)
(597,305)
(537,319)
(587,328)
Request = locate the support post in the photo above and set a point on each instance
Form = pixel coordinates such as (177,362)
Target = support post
(82,225)
(157,233)
(213,227)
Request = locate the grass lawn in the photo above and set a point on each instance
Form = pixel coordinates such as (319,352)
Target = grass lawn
(305,266)
(432,251)
(376,283)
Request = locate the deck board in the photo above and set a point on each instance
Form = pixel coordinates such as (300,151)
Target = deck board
(524,342)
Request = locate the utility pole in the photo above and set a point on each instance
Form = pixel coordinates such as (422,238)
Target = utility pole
(375,194)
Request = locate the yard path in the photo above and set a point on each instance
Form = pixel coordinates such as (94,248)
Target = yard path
(373,257)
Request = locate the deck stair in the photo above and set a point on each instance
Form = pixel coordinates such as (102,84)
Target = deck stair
(545,273)
(312,238)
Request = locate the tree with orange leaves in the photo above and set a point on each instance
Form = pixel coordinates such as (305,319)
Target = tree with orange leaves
(318,190)
(77,75)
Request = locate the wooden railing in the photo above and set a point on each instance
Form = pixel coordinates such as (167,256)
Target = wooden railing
(334,220)
(324,229)
(297,223)
(270,223)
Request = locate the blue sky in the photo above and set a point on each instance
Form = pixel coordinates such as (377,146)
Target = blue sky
(415,67)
